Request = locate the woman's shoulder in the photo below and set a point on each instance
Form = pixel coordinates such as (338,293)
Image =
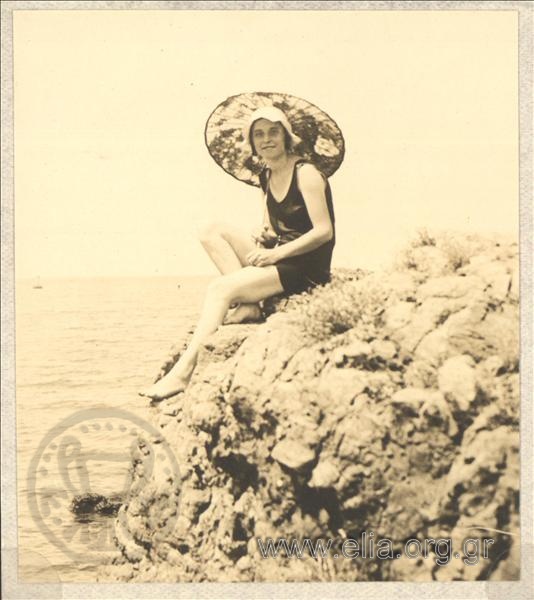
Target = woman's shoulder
(308,174)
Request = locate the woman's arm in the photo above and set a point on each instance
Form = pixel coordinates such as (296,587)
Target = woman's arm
(312,187)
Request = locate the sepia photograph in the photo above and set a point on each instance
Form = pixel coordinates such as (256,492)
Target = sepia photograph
(264,289)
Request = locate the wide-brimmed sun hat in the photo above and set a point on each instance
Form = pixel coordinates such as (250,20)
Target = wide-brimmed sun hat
(314,135)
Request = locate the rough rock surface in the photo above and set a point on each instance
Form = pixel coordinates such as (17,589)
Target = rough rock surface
(397,414)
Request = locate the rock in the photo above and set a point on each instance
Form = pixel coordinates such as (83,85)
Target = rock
(287,400)
(225,342)
(304,428)
(244,563)
(469,318)
(429,403)
(171,406)
(450,286)
(357,352)
(293,455)
(500,334)
(477,491)
(497,277)
(405,424)
(415,398)
(266,356)
(324,475)
(438,411)
(477,262)
(509,569)
(305,363)
(205,415)
(357,432)
(404,510)
(474,332)
(86,504)
(357,349)
(132,551)
(399,315)
(195,501)
(434,347)
(384,349)
(491,366)
(402,284)
(164,419)
(457,380)
(485,458)
(342,385)
(458,335)
(420,374)
(431,313)
(406,568)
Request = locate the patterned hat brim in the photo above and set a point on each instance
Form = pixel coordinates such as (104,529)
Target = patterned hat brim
(322,142)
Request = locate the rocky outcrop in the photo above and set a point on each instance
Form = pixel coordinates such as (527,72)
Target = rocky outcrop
(384,403)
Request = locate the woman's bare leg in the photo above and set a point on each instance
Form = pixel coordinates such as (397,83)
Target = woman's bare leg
(248,285)
(228,246)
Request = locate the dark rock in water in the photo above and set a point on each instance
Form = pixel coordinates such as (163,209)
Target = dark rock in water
(108,507)
(97,504)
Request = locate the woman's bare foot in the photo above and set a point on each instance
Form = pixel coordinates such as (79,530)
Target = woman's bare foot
(244,313)
(171,384)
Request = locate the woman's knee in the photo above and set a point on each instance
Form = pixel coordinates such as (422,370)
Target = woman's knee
(207,232)
(222,288)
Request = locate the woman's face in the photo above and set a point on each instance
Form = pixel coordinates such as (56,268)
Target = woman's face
(269,139)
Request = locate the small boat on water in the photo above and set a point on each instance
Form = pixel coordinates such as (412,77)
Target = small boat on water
(37,285)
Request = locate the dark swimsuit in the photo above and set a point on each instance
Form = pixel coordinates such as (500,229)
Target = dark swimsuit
(289,220)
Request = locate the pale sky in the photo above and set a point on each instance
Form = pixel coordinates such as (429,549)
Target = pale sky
(112,176)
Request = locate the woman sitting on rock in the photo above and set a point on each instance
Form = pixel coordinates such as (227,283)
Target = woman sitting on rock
(290,254)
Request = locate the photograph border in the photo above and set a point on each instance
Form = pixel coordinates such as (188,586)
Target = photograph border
(11,588)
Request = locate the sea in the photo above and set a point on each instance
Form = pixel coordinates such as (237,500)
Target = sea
(84,348)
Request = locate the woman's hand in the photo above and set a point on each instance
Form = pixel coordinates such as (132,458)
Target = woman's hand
(265,236)
(262,257)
